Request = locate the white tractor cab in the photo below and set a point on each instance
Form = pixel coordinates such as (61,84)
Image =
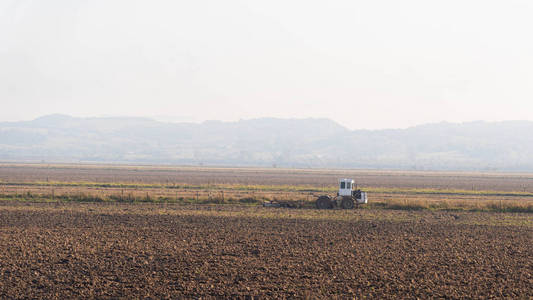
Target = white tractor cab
(347,197)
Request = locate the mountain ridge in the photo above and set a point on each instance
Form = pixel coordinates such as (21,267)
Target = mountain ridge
(312,142)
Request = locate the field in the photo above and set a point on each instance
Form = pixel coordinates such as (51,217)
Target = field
(199,185)
(141,231)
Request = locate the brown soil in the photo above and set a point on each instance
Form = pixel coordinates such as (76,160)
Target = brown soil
(168,251)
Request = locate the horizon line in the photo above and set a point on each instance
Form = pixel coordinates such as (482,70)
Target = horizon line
(159,119)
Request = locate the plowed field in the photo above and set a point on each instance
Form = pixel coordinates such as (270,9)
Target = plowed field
(315,177)
(168,251)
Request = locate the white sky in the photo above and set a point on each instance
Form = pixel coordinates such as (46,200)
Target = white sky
(364,64)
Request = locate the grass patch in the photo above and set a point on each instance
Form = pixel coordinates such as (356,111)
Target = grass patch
(454,205)
(272,188)
(300,196)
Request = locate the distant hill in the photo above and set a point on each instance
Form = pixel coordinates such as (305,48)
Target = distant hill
(270,142)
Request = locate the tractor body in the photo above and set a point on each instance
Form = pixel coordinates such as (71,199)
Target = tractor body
(347,197)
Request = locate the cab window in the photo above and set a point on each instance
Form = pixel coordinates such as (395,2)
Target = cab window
(343,185)
(348,185)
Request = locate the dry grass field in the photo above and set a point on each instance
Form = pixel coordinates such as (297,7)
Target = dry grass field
(256,176)
(387,189)
(88,231)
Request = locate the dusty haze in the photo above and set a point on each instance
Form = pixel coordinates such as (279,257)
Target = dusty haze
(363,64)
(302,143)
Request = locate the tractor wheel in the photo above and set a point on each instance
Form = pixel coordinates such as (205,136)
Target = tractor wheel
(347,203)
(323,202)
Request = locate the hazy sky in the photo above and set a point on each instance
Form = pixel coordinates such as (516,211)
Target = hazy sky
(364,64)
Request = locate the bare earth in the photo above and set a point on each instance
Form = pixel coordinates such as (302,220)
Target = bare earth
(57,250)
(67,249)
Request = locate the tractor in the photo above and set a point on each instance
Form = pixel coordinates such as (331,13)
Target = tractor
(347,197)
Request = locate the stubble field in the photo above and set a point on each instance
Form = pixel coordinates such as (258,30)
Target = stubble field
(252,186)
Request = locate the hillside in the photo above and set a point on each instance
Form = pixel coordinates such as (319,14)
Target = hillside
(270,142)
